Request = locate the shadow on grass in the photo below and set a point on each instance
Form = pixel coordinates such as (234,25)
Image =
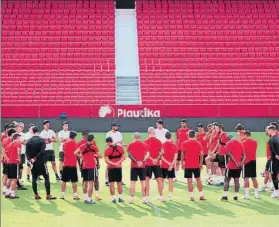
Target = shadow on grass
(211,208)
(23,204)
(102,210)
(50,208)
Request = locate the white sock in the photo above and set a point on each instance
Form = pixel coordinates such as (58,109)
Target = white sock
(225,193)
(191,194)
(4,189)
(75,194)
(256,191)
(132,198)
(120,196)
(201,193)
(176,174)
(89,198)
(209,172)
(170,194)
(223,179)
(236,194)
(246,192)
(97,193)
(85,196)
(113,197)
(12,193)
(63,194)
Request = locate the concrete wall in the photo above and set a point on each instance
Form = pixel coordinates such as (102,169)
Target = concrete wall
(141,124)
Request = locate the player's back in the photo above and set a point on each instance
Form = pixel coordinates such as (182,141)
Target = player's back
(192,150)
(138,150)
(69,148)
(236,149)
(250,147)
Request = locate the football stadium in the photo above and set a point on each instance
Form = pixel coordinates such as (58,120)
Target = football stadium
(134,112)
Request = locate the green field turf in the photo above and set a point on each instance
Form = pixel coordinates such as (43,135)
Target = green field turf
(26,212)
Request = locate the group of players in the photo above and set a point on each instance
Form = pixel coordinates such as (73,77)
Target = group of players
(224,156)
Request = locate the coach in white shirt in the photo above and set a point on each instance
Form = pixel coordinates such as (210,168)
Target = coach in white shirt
(160,131)
(115,134)
(49,136)
(63,136)
(117,140)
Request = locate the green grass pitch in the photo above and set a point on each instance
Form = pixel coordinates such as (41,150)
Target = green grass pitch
(26,212)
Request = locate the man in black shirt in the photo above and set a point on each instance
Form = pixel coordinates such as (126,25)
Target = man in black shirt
(35,148)
(274,166)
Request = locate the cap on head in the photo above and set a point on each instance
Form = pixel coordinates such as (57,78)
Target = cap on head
(274,123)
(35,129)
(200,125)
(90,137)
(85,132)
(73,134)
(191,133)
(160,121)
(45,122)
(247,133)
(168,135)
(109,140)
(30,125)
(239,127)
(271,127)
(11,131)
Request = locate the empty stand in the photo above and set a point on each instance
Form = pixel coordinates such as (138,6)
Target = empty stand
(58,52)
(208,52)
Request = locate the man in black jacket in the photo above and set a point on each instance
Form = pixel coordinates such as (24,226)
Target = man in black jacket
(35,148)
(274,166)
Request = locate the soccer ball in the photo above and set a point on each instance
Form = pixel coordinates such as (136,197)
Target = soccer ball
(263,173)
(210,181)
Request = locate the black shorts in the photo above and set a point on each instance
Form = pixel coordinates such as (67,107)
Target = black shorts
(179,156)
(115,175)
(39,169)
(137,173)
(222,161)
(22,159)
(204,157)
(89,174)
(69,174)
(188,173)
(49,156)
(215,159)
(233,173)
(156,170)
(167,174)
(61,156)
(13,171)
(267,165)
(5,168)
(249,169)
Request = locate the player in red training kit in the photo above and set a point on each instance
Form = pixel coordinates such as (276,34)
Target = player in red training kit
(201,138)
(239,128)
(236,153)
(138,153)
(12,157)
(168,162)
(69,172)
(89,154)
(114,156)
(250,166)
(4,134)
(5,143)
(181,136)
(152,164)
(192,158)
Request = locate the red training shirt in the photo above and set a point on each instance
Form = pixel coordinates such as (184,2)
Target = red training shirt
(154,147)
(170,150)
(250,147)
(138,150)
(4,135)
(114,155)
(202,140)
(181,135)
(88,158)
(69,148)
(13,151)
(214,142)
(192,150)
(237,150)
(83,141)
(223,139)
